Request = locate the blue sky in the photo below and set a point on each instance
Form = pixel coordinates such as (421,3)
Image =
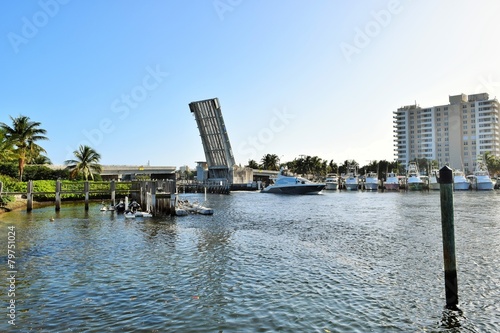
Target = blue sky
(293,77)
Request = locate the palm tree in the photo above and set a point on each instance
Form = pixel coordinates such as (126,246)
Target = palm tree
(252,164)
(492,163)
(87,162)
(23,136)
(332,167)
(6,149)
(270,162)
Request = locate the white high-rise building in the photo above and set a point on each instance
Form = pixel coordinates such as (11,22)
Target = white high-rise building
(453,134)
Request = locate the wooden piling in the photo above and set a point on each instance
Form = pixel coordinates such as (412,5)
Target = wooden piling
(86,190)
(29,195)
(1,188)
(153,197)
(58,195)
(112,188)
(447,224)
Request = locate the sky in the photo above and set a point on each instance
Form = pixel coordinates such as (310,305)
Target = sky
(319,78)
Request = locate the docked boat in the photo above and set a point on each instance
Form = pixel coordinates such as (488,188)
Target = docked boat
(143,214)
(283,184)
(433,180)
(392,182)
(183,207)
(481,180)
(413,180)
(371,181)
(331,182)
(460,182)
(351,181)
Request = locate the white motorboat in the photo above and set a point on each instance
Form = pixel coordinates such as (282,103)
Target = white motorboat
(392,182)
(184,207)
(332,182)
(481,180)
(143,214)
(413,180)
(351,181)
(371,181)
(283,184)
(433,180)
(460,182)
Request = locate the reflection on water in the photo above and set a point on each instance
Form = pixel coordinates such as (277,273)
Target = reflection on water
(335,262)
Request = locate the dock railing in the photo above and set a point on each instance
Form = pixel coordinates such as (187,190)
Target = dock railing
(62,190)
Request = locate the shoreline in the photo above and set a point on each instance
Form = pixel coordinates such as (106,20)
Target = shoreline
(20,204)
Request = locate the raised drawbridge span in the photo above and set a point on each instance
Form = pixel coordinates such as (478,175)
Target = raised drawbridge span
(213,133)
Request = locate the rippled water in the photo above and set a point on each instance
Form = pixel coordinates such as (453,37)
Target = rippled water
(334,262)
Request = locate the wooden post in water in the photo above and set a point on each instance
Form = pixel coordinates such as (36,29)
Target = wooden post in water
(153,197)
(58,195)
(1,188)
(112,188)
(447,223)
(86,190)
(29,206)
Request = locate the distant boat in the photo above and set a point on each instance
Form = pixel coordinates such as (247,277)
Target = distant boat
(460,182)
(332,182)
(433,180)
(413,180)
(481,180)
(371,181)
(283,184)
(392,182)
(351,181)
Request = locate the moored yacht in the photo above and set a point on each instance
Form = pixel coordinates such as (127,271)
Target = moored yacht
(413,180)
(293,185)
(392,182)
(351,181)
(481,180)
(371,181)
(460,182)
(331,181)
(433,180)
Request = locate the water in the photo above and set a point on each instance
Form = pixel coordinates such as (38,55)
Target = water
(334,262)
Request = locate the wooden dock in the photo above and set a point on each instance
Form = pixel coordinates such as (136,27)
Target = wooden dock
(156,196)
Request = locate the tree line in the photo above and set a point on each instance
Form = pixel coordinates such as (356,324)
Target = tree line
(318,167)
(19,144)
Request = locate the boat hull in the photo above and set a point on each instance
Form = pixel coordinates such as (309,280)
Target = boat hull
(391,186)
(415,186)
(485,186)
(297,189)
(463,186)
(351,186)
(434,186)
(331,186)
(371,186)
